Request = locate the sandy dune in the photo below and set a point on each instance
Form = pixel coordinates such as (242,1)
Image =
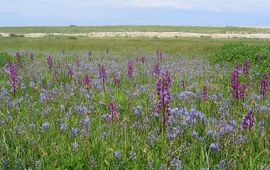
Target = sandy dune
(147,34)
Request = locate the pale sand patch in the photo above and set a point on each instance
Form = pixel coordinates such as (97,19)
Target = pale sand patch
(147,34)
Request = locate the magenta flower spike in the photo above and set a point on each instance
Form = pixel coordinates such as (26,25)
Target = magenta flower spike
(86,81)
(248,121)
(13,77)
(50,62)
(130,69)
(205,93)
(164,96)
(264,85)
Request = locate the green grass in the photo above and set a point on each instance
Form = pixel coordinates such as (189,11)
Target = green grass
(25,144)
(235,53)
(85,29)
(124,46)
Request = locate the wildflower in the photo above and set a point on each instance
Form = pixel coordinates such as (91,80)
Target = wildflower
(142,59)
(86,81)
(214,147)
(117,155)
(130,69)
(138,110)
(264,85)
(205,93)
(116,81)
(156,70)
(102,73)
(238,88)
(173,132)
(248,121)
(50,62)
(43,96)
(13,77)
(221,164)
(45,126)
(63,127)
(55,76)
(164,96)
(74,132)
(70,72)
(114,113)
(4,92)
(176,164)
(81,109)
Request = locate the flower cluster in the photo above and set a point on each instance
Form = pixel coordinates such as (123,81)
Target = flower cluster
(50,62)
(130,69)
(70,72)
(87,81)
(113,115)
(156,69)
(142,59)
(249,120)
(102,73)
(237,88)
(205,93)
(117,81)
(164,96)
(13,77)
(264,85)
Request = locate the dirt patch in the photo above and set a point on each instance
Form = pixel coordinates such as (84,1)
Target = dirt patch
(147,34)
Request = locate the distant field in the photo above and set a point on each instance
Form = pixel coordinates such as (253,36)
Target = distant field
(123,46)
(75,102)
(84,29)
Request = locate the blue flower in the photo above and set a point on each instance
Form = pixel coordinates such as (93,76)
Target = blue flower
(45,126)
(214,147)
(117,155)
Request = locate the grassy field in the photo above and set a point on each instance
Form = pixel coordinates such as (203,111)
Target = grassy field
(124,46)
(83,29)
(134,103)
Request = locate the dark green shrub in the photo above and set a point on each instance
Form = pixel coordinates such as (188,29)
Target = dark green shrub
(238,53)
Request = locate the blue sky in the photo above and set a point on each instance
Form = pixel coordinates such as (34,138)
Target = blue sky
(135,12)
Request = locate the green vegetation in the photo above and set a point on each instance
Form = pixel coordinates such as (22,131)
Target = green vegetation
(5,58)
(125,46)
(235,53)
(51,117)
(84,29)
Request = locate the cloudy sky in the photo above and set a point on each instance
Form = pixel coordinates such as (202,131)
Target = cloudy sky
(135,12)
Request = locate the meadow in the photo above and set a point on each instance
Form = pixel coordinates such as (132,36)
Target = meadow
(125,28)
(134,103)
